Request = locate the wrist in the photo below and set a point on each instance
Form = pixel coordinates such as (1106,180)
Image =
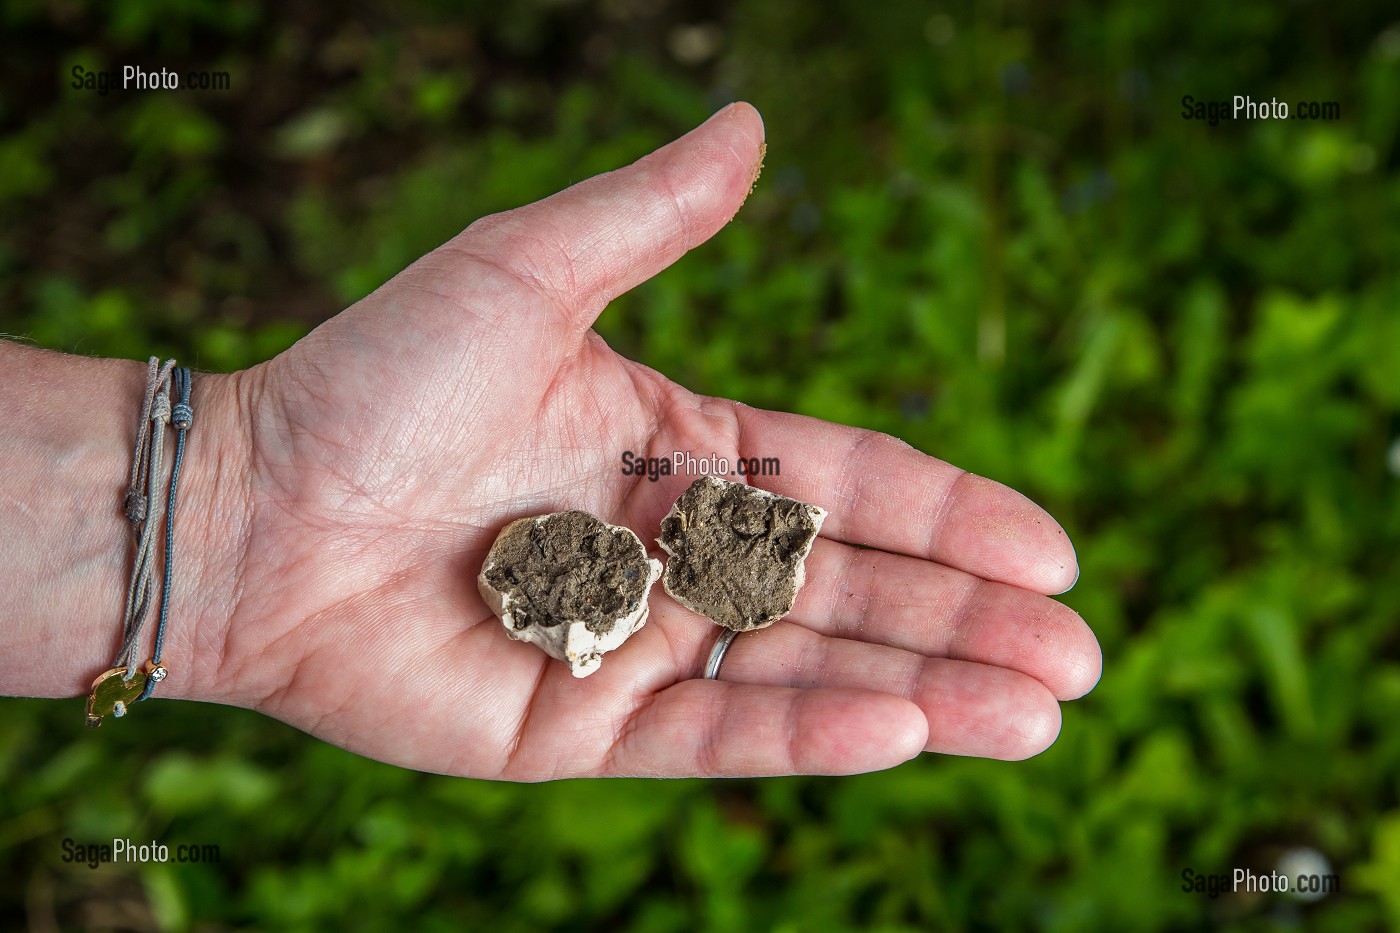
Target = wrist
(70,424)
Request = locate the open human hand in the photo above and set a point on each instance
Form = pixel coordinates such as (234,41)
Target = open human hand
(385,451)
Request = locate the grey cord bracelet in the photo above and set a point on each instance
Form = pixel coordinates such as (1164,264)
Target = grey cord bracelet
(116,689)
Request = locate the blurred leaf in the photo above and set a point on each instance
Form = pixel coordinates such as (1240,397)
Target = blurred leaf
(311,133)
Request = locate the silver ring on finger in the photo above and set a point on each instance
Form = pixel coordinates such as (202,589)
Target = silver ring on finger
(722,643)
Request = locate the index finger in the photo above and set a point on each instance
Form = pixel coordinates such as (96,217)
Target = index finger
(882,493)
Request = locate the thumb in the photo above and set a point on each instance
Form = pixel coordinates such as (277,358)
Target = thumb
(590,243)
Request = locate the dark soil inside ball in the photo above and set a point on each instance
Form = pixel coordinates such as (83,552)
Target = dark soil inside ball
(735,553)
(571,567)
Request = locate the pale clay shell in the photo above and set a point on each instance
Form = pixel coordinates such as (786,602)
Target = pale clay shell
(569,641)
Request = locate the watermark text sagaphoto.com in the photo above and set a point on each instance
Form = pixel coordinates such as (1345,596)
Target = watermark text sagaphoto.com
(136,78)
(1244,881)
(126,851)
(1245,107)
(685,463)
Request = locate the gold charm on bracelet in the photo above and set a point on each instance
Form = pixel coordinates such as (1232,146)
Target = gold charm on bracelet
(112,695)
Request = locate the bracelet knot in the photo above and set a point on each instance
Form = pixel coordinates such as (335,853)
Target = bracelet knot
(135,504)
(182,416)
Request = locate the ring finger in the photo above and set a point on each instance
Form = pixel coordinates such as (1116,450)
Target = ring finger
(972,708)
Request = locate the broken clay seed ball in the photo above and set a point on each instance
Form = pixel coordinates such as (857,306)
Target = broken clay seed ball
(736,552)
(570,583)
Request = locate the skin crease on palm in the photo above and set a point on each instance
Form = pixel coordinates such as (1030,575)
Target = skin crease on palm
(390,446)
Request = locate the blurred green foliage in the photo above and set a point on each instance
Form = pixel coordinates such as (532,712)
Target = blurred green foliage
(982,227)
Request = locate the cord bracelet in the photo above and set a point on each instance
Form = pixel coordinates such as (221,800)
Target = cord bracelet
(148,506)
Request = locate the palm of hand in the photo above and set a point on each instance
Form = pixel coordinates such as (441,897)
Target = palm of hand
(393,443)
